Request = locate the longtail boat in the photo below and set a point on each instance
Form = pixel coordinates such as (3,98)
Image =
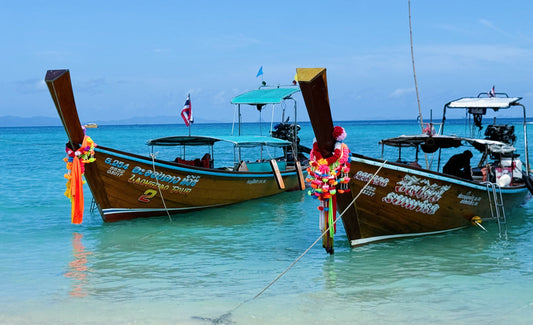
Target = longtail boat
(403,198)
(126,185)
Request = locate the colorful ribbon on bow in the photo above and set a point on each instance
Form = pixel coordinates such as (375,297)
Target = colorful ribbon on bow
(76,161)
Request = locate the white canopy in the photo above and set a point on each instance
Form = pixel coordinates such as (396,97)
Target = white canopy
(486,102)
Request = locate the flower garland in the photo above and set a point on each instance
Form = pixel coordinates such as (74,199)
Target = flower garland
(327,176)
(76,160)
(429,129)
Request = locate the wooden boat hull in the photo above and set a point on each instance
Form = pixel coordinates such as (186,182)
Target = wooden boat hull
(403,201)
(125,186)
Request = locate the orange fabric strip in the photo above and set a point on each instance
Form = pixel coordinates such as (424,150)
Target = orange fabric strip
(76,190)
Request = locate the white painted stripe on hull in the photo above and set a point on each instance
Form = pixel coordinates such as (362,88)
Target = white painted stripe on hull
(111,211)
(362,241)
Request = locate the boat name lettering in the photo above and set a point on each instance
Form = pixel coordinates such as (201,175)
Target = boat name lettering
(256,181)
(190,180)
(116,163)
(162,177)
(181,190)
(147,183)
(469,199)
(377,180)
(410,203)
(421,189)
(369,191)
(115,171)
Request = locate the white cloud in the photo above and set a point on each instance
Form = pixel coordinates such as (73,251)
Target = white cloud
(461,56)
(493,27)
(401,92)
(31,86)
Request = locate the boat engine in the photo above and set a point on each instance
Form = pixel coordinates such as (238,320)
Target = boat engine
(503,133)
(289,132)
(286,131)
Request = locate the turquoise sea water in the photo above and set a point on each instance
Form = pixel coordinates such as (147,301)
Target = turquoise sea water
(199,266)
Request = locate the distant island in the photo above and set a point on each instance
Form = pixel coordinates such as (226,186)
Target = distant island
(15,121)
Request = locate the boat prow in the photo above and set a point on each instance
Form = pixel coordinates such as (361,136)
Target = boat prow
(60,87)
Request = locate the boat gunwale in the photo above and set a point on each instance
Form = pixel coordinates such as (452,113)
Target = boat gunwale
(184,168)
(434,175)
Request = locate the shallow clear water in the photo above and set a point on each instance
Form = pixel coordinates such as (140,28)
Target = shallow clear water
(202,265)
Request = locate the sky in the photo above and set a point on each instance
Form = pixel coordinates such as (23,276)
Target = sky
(139,59)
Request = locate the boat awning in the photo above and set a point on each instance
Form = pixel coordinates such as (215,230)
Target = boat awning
(488,102)
(265,96)
(253,141)
(491,146)
(441,141)
(239,141)
(433,143)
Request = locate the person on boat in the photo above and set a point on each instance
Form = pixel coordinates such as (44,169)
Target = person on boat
(459,165)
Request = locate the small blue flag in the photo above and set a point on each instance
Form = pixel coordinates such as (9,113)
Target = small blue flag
(260,72)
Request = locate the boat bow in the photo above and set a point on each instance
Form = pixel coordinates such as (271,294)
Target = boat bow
(60,86)
(314,88)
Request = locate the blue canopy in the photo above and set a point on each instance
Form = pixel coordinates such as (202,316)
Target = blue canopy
(265,96)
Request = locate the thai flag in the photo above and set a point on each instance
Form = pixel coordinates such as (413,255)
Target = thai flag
(186,112)
(492,92)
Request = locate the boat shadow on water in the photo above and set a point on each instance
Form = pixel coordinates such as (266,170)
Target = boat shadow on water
(423,264)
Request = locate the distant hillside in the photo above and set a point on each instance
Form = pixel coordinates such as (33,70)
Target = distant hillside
(14,121)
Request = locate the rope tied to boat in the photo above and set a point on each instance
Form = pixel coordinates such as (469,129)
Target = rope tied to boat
(476,221)
(224,317)
(153,155)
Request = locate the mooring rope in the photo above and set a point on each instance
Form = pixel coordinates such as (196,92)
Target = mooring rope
(159,187)
(414,76)
(414,70)
(222,318)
